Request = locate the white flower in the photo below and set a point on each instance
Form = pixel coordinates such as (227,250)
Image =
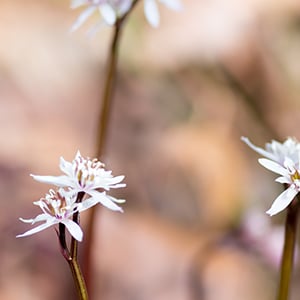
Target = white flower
(278,151)
(151,9)
(290,175)
(282,159)
(88,176)
(110,10)
(59,207)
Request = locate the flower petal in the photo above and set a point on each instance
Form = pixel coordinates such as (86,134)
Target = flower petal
(282,201)
(108,14)
(273,166)
(258,150)
(283,179)
(151,12)
(38,218)
(66,166)
(73,228)
(104,200)
(115,199)
(109,182)
(38,228)
(86,204)
(78,3)
(83,17)
(61,181)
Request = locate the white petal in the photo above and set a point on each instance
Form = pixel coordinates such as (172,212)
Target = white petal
(107,183)
(78,154)
(116,186)
(283,179)
(173,4)
(66,166)
(259,150)
(83,17)
(38,228)
(105,201)
(108,14)
(61,181)
(39,218)
(273,166)
(289,164)
(73,228)
(86,204)
(282,201)
(27,220)
(77,3)
(115,199)
(151,12)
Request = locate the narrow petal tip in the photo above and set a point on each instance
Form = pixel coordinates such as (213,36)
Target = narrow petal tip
(270,213)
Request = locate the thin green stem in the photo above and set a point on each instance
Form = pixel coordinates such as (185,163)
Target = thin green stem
(102,130)
(288,250)
(78,278)
(71,258)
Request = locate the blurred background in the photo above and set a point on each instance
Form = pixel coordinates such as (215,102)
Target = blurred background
(194,225)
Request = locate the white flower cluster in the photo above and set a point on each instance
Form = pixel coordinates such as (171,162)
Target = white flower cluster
(282,159)
(82,175)
(111,10)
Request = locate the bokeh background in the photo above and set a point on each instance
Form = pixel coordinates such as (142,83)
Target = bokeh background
(194,225)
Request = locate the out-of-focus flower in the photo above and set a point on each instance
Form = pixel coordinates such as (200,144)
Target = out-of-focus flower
(88,176)
(59,207)
(276,151)
(110,10)
(152,12)
(282,159)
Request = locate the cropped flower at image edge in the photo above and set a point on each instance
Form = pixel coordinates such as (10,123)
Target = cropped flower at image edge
(282,159)
(111,10)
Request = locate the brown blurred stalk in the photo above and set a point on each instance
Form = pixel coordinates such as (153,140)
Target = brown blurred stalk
(288,250)
(101,138)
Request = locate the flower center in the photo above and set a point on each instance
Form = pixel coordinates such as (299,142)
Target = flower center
(56,204)
(86,170)
(295,176)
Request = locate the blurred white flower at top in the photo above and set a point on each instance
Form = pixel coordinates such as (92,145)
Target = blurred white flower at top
(110,10)
(282,159)
(88,176)
(59,207)
(152,12)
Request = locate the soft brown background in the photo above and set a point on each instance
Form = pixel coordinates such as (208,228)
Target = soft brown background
(194,225)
